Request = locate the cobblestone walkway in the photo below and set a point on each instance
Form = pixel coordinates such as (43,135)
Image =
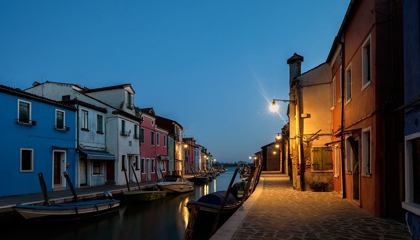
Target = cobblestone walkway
(283,213)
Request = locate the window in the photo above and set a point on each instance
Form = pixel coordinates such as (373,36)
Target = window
(99,123)
(348,84)
(136,131)
(137,164)
(85,120)
(142,135)
(321,158)
(97,168)
(164,140)
(158,139)
(153,123)
(334,90)
(340,83)
(152,138)
(143,166)
(415,170)
(349,156)
(26,160)
(123,126)
(366,63)
(366,146)
(59,119)
(163,166)
(24,112)
(129,100)
(123,162)
(153,166)
(336,161)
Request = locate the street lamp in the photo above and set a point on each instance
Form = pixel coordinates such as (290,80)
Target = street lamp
(185,145)
(278,137)
(274,107)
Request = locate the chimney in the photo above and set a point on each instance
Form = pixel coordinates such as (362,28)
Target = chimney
(294,66)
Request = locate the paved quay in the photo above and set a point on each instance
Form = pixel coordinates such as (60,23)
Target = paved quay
(276,211)
(7,202)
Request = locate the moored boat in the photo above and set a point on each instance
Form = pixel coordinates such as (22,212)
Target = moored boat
(175,184)
(144,195)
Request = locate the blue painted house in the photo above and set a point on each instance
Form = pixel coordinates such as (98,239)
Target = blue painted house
(38,135)
(411,107)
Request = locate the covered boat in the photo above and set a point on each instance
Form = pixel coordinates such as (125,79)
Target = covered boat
(67,211)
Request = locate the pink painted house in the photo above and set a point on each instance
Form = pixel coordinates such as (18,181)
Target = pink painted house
(153,147)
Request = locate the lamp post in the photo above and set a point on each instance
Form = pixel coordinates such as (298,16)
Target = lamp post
(274,108)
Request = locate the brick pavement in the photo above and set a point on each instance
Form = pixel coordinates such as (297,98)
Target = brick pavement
(283,213)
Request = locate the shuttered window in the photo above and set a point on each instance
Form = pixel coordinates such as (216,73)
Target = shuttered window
(321,158)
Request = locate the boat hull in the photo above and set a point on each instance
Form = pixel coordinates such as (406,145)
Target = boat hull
(176,187)
(67,212)
(144,196)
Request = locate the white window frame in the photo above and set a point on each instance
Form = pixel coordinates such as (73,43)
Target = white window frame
(142,133)
(153,123)
(32,159)
(152,140)
(84,125)
(157,139)
(163,166)
(409,188)
(339,85)
(336,161)
(136,131)
(30,111)
(348,69)
(97,123)
(365,82)
(56,119)
(143,166)
(164,140)
(101,168)
(366,171)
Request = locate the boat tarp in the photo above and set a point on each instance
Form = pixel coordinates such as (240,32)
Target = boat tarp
(93,155)
(216,198)
(64,206)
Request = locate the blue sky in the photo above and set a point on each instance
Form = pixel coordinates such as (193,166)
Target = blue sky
(210,65)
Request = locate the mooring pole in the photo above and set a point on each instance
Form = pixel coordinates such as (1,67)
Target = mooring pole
(71,186)
(43,189)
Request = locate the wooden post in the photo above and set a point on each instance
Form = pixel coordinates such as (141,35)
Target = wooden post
(43,189)
(137,180)
(248,184)
(191,222)
(126,178)
(71,186)
(216,221)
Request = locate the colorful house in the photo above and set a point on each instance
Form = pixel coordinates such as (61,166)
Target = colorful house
(411,107)
(190,155)
(175,130)
(39,136)
(121,128)
(366,86)
(310,124)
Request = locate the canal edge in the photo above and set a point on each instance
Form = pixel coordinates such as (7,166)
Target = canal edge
(231,226)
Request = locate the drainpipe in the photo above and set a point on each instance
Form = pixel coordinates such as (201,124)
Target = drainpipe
(343,66)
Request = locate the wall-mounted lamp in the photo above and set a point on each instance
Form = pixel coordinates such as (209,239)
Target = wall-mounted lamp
(274,107)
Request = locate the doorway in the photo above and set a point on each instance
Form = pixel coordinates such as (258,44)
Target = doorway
(356,171)
(83,172)
(149,169)
(130,170)
(110,172)
(59,163)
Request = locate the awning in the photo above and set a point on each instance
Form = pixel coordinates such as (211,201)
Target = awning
(93,155)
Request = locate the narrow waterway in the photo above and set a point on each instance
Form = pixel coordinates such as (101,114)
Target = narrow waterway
(161,219)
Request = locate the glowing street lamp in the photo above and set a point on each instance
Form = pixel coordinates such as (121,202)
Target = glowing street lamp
(278,137)
(185,145)
(274,107)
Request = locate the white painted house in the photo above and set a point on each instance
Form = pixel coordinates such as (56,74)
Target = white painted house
(116,145)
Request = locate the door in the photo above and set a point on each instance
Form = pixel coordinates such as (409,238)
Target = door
(356,171)
(57,169)
(130,171)
(83,172)
(110,173)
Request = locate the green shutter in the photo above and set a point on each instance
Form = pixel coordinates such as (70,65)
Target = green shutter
(316,161)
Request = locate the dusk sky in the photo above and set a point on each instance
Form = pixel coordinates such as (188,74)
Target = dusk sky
(213,66)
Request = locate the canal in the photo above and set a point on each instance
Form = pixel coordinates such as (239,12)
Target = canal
(162,219)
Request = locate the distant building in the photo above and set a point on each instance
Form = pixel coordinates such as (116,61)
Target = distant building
(190,155)
(271,157)
(38,136)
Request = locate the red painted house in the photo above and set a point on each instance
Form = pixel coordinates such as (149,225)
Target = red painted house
(190,154)
(367,85)
(153,147)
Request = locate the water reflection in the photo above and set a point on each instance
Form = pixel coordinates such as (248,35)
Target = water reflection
(162,219)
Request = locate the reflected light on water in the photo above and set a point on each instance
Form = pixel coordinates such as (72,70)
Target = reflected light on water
(214,185)
(184,210)
(206,189)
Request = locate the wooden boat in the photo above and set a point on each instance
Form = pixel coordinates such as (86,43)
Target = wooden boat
(199,180)
(142,195)
(66,211)
(175,184)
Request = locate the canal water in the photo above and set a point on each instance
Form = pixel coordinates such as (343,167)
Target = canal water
(162,219)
